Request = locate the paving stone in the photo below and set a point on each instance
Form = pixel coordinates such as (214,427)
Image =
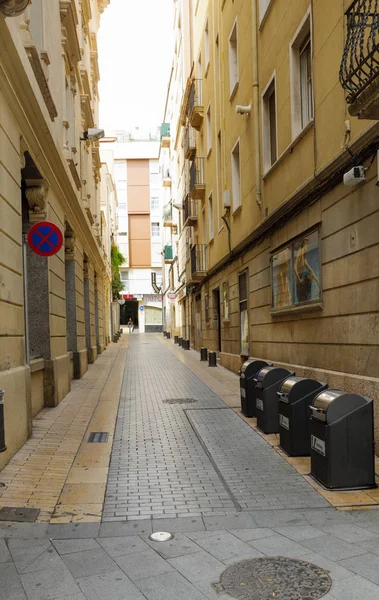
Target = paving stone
(335,570)
(198,567)
(127,528)
(143,565)
(366,565)
(179,524)
(354,588)
(279,545)
(206,588)
(73,530)
(333,547)
(278,518)
(224,546)
(122,546)
(301,532)
(237,521)
(30,556)
(10,584)
(113,586)
(69,546)
(171,586)
(4,552)
(89,562)
(50,584)
(180,545)
(23,530)
(349,532)
(246,535)
(371,545)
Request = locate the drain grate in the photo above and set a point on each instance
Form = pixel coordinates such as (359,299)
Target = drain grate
(20,515)
(279,577)
(98,437)
(180,401)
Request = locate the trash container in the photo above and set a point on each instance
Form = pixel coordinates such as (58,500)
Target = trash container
(295,396)
(267,383)
(342,440)
(248,371)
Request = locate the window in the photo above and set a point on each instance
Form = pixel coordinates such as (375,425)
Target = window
(206,47)
(154,203)
(206,307)
(296,273)
(225,300)
(209,130)
(244,316)
(155,229)
(236,177)
(233,59)
(269,126)
(301,77)
(210,217)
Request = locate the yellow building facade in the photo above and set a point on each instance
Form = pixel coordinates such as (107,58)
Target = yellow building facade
(54,312)
(280,256)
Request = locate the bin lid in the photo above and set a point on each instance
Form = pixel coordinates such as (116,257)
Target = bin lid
(270,375)
(252,366)
(331,405)
(294,388)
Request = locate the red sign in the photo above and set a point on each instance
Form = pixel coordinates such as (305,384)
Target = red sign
(45,239)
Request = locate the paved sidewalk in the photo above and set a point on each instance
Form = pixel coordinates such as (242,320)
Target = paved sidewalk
(180,451)
(117,561)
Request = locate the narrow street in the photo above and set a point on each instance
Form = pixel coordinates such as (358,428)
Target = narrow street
(181,460)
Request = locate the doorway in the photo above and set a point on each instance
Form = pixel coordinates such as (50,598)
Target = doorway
(129,309)
(217,317)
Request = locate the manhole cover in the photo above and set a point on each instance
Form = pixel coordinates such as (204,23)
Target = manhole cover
(180,401)
(161,536)
(280,577)
(21,515)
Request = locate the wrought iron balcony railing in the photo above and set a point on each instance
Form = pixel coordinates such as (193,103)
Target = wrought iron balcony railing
(199,260)
(360,62)
(197,179)
(190,142)
(196,108)
(190,211)
(167,212)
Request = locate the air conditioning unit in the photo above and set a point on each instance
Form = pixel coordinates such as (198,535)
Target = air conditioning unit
(226,197)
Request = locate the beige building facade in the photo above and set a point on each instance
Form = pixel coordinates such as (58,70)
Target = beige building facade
(55,312)
(278,257)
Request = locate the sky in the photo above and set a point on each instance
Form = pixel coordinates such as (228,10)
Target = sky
(135,56)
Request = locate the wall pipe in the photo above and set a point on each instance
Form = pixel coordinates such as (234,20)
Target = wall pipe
(254,25)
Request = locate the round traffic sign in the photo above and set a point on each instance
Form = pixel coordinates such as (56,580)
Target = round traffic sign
(45,238)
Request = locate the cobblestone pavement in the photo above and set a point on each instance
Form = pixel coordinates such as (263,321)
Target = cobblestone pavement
(191,456)
(117,561)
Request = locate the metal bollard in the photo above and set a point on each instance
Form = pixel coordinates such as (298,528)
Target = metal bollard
(176,339)
(212,359)
(181,342)
(2,425)
(168,335)
(203,354)
(187,345)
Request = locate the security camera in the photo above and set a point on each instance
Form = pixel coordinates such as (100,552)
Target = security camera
(243,110)
(355,176)
(93,135)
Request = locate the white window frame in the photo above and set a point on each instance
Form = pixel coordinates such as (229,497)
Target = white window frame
(236,177)
(211,231)
(303,31)
(264,6)
(206,48)
(208,118)
(267,164)
(154,228)
(233,59)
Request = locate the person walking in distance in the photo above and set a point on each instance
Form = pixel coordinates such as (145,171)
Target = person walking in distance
(130,324)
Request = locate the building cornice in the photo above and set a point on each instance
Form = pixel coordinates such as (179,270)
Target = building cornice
(13,8)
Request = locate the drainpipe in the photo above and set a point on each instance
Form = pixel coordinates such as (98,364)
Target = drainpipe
(254,27)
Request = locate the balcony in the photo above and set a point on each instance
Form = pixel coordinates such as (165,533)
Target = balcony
(198,262)
(190,143)
(190,211)
(197,179)
(168,255)
(196,108)
(165,135)
(166,181)
(360,63)
(167,216)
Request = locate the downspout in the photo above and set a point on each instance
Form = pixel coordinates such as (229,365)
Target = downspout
(254,27)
